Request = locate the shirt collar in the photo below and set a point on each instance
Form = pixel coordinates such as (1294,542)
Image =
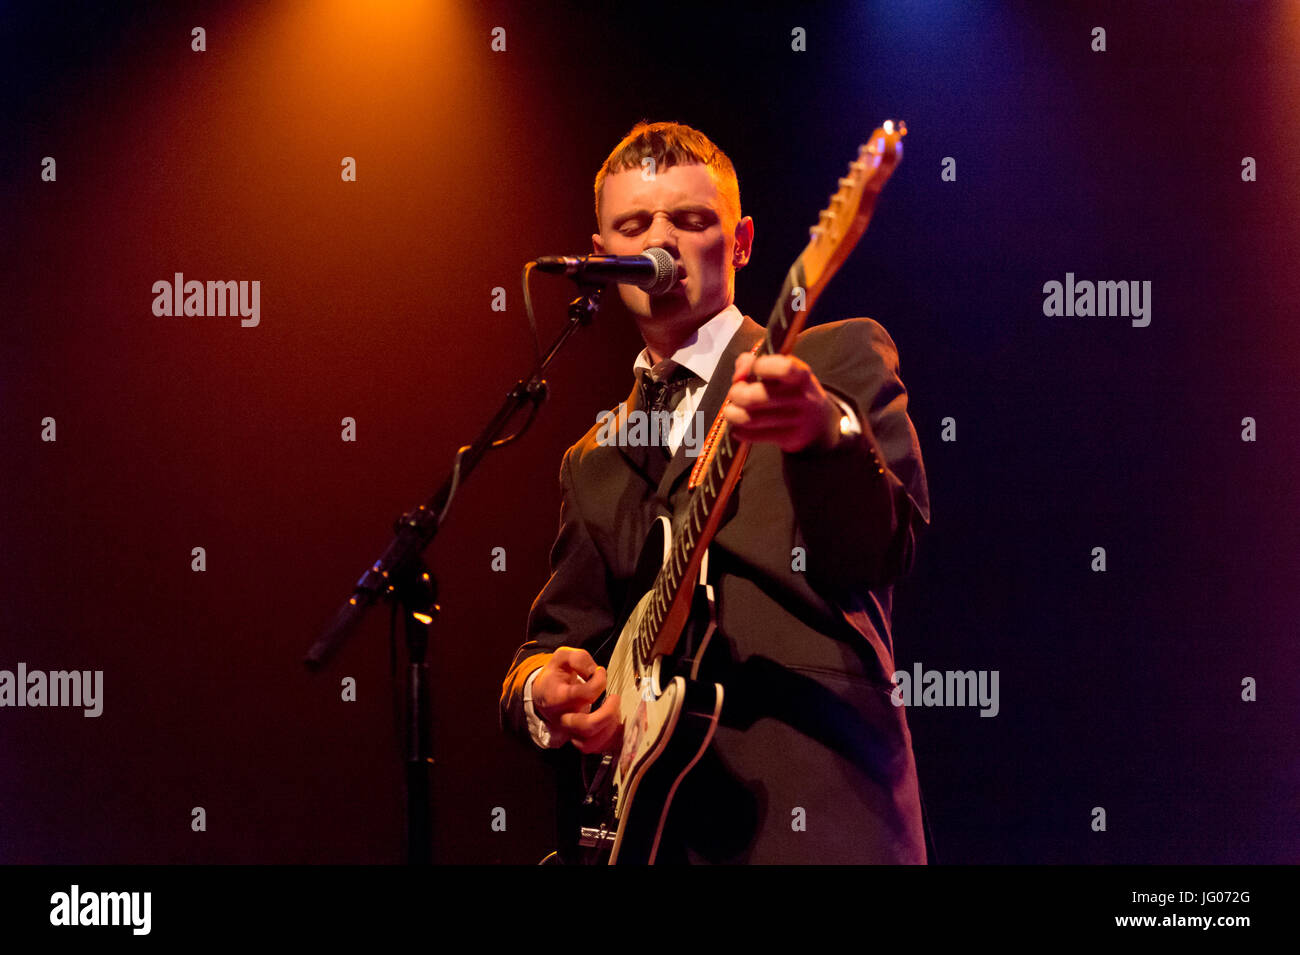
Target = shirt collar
(701,352)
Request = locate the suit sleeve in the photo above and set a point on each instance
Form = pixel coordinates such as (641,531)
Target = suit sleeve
(573,609)
(861,506)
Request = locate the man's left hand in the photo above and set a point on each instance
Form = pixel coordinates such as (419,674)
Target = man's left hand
(778,399)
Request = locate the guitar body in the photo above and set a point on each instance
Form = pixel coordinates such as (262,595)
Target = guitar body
(668,721)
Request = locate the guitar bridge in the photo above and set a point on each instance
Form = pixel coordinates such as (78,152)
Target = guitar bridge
(592,837)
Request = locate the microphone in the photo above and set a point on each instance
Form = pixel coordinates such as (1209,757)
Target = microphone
(653,270)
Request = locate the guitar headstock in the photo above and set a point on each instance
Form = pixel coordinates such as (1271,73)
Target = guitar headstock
(845,218)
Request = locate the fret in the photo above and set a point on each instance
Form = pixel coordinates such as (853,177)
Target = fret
(720,465)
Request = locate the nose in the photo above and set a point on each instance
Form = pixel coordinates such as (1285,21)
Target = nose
(661,234)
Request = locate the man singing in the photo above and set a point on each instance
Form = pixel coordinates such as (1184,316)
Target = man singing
(811,761)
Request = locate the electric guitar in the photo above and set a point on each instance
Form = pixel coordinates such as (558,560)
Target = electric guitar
(668,715)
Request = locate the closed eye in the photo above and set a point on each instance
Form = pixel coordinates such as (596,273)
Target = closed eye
(693,222)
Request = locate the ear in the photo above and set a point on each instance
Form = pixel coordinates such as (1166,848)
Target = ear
(744,243)
(596,245)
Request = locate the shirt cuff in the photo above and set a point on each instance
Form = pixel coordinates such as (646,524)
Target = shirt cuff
(541,733)
(852,427)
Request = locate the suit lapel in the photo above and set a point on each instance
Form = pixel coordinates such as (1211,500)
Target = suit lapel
(638,456)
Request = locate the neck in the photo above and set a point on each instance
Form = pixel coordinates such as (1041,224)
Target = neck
(662,339)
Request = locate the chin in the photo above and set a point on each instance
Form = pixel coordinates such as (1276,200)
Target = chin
(676,304)
(669,306)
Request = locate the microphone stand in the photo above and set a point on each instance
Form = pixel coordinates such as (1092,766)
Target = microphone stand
(400,575)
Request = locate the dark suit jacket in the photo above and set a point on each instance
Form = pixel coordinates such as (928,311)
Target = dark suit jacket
(812,762)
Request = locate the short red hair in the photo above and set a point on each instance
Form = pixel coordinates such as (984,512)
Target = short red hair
(672,144)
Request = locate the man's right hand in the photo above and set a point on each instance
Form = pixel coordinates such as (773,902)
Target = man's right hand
(562,696)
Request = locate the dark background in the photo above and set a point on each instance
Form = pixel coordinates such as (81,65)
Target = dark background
(1118,689)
